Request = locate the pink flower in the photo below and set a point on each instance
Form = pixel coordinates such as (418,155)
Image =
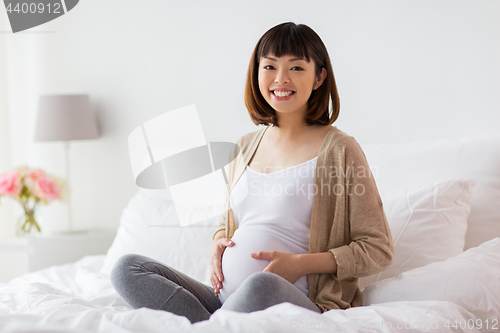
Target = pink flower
(10,184)
(46,189)
(34,174)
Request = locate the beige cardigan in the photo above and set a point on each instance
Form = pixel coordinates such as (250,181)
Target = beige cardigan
(347,217)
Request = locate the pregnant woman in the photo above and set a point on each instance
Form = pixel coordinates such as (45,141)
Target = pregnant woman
(304,219)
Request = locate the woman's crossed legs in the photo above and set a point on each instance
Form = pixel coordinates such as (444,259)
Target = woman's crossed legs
(144,282)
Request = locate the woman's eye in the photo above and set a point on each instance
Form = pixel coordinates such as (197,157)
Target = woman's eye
(297,68)
(268,67)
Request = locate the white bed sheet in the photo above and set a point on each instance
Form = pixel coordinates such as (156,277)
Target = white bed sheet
(78,298)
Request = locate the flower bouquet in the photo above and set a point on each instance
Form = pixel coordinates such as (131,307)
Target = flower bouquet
(30,187)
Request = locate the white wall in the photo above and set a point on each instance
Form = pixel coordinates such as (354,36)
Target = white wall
(406,70)
(5,152)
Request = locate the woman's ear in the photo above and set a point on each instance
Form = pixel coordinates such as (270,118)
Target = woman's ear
(320,78)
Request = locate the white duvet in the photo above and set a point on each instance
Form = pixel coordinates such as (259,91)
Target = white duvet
(78,298)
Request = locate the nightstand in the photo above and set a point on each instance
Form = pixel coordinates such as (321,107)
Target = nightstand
(20,255)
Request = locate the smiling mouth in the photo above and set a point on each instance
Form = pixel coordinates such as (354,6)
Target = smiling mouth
(282,93)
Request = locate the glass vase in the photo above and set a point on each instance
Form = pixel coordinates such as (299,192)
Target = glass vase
(28,224)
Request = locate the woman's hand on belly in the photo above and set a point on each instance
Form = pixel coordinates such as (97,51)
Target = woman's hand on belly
(216,252)
(284,264)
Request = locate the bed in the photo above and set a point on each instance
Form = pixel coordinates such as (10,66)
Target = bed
(441,198)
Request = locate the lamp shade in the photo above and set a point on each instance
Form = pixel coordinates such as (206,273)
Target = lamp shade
(65,117)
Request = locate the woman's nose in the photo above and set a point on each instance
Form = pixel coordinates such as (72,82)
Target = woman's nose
(281,77)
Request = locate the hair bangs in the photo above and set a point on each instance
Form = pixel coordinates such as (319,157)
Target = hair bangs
(284,40)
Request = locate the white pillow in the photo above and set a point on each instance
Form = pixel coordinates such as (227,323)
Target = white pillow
(399,166)
(471,280)
(428,224)
(149,226)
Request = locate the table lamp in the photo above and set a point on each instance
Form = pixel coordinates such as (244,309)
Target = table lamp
(65,118)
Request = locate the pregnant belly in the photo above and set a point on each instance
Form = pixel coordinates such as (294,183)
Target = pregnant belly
(237,264)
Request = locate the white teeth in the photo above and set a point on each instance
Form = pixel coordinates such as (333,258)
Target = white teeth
(282,93)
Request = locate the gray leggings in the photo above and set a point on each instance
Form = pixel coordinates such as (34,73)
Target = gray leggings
(144,282)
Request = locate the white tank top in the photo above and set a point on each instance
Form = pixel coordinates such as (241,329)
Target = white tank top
(272,212)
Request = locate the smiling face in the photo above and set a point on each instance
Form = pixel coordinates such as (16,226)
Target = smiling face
(286,82)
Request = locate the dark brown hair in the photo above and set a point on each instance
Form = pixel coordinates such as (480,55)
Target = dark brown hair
(299,41)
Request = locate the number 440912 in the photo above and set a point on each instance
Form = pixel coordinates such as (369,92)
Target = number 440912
(34,8)
(471,323)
